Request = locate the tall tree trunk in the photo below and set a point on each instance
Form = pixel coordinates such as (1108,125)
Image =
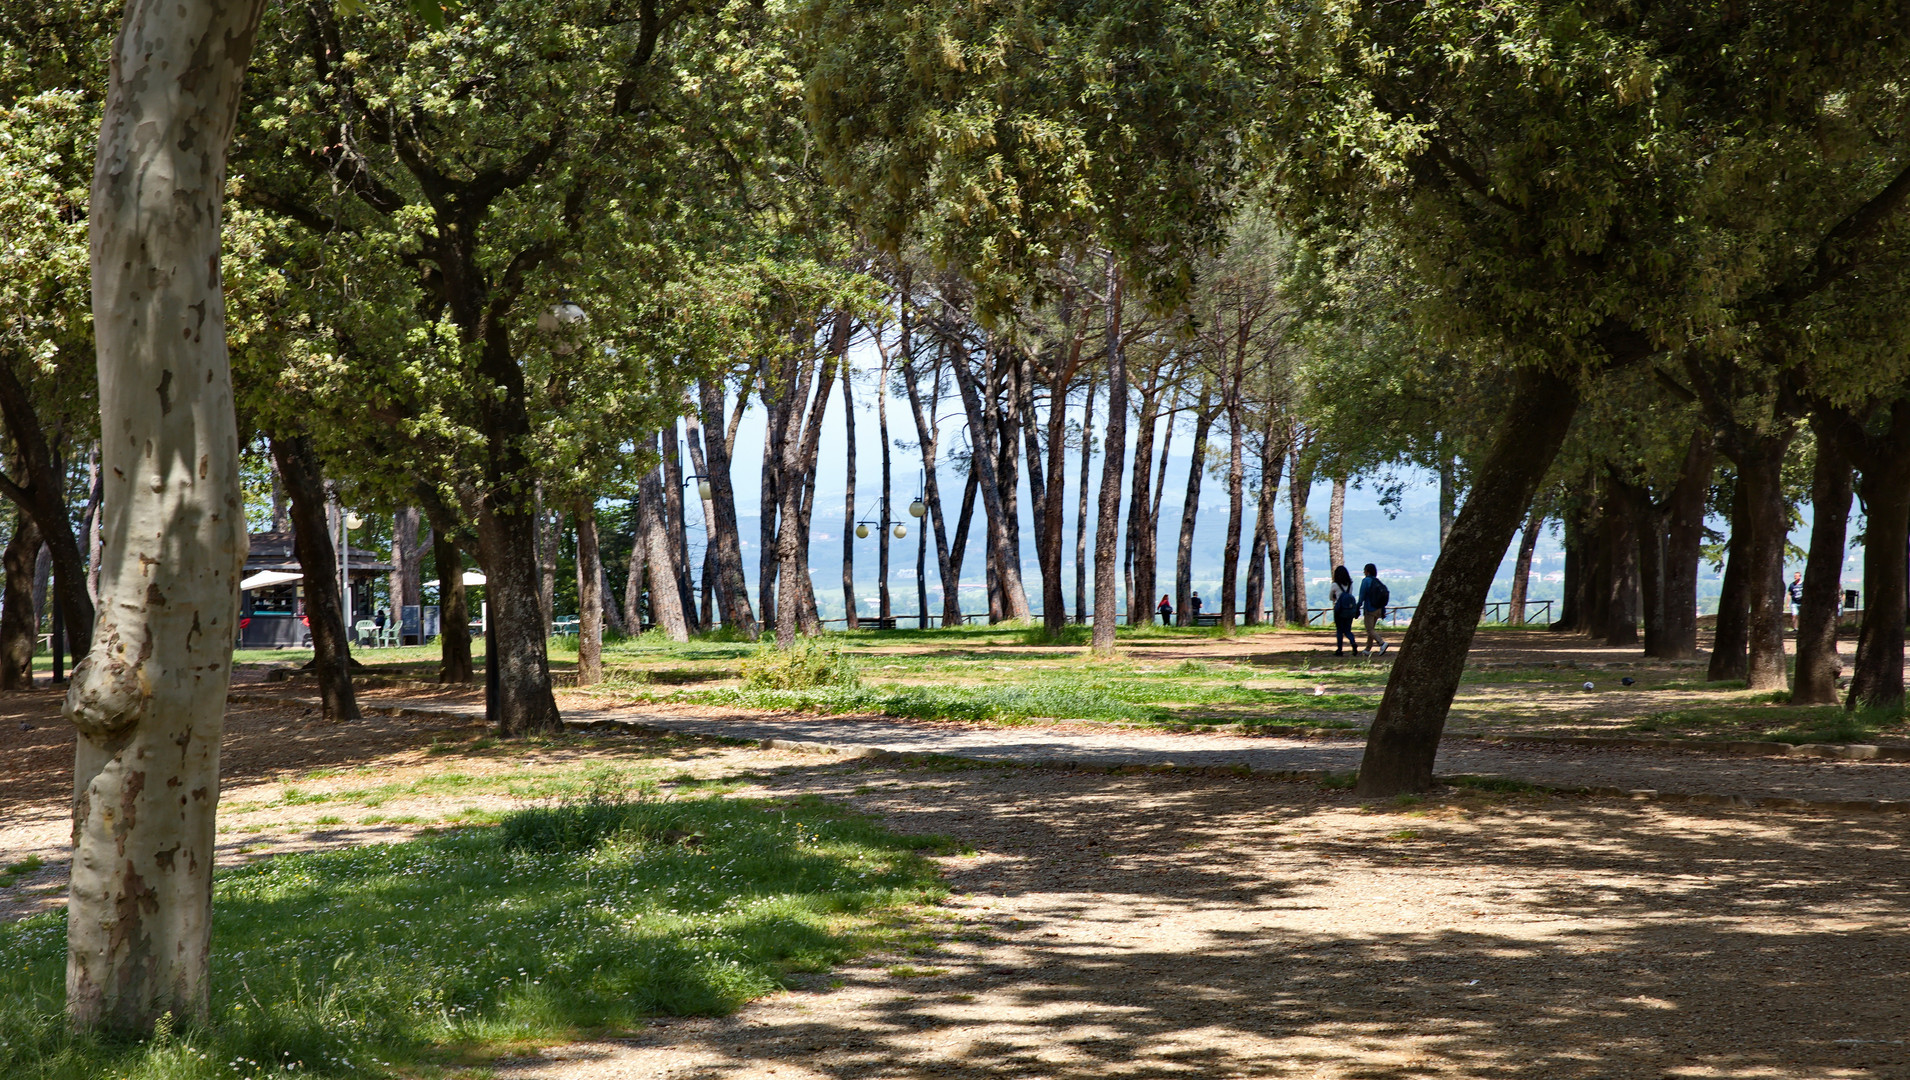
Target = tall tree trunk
(1731,640)
(549,525)
(884,605)
(850,620)
(149,699)
(1763,465)
(454,611)
(324,607)
(775,436)
(1684,541)
(281,515)
(1236,502)
(1190,516)
(42,493)
(507,544)
(1876,680)
(1266,604)
(1522,568)
(927,439)
(801,443)
(1336,525)
(590,600)
(1107,526)
(983,463)
(1299,486)
(1052,502)
(633,572)
(1598,568)
(724,534)
(407,566)
(19,622)
(1573,590)
(1817,664)
(1621,537)
(678,526)
(1405,734)
(1081,506)
(958,548)
(1006,420)
(1139,549)
(666,603)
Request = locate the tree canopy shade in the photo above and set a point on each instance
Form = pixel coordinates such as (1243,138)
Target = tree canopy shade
(431,193)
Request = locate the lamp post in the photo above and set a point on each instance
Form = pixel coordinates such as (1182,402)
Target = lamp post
(347,521)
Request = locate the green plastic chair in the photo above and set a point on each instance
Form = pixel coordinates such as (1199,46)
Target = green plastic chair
(366,632)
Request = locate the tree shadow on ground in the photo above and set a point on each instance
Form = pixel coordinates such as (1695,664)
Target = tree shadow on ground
(1541,937)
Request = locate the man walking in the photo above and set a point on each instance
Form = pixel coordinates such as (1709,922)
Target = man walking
(1373,599)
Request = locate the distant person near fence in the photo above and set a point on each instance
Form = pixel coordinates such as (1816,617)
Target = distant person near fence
(1346,605)
(1374,596)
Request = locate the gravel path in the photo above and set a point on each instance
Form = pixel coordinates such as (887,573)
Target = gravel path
(1669,772)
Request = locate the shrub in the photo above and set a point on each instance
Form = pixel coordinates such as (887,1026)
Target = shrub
(806,666)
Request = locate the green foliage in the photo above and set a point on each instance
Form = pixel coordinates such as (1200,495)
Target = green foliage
(378,961)
(804,666)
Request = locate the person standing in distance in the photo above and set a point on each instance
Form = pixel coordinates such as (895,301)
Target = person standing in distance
(1373,599)
(1166,610)
(1797,596)
(1345,606)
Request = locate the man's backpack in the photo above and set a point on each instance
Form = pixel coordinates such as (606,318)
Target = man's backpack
(1378,598)
(1348,604)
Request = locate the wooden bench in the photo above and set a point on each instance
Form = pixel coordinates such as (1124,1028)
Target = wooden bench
(1206,620)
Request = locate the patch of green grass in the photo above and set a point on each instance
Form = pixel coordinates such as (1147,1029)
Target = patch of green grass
(396,959)
(1339,781)
(329,819)
(1757,718)
(11,875)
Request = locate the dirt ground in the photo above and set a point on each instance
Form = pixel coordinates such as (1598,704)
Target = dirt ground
(1158,926)
(1168,925)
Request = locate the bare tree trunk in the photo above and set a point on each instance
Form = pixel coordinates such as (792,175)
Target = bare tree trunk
(1817,664)
(678,526)
(407,566)
(42,493)
(507,541)
(454,611)
(149,699)
(983,463)
(849,507)
(1621,538)
(633,570)
(89,529)
(666,604)
(928,439)
(1190,516)
(1299,486)
(1763,468)
(1081,506)
(19,622)
(1730,642)
(1336,525)
(724,535)
(1405,734)
(1140,564)
(590,601)
(1107,526)
(281,517)
(1264,598)
(1876,680)
(548,525)
(1236,506)
(885,607)
(775,434)
(1522,568)
(1684,540)
(324,607)
(958,548)
(801,443)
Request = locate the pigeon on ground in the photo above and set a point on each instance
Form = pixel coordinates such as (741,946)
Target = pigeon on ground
(24,726)
(1588,686)
(1629,681)
(1319,691)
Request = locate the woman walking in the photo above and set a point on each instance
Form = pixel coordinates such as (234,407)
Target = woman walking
(1346,608)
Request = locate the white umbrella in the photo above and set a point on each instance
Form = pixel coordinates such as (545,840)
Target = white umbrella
(267,578)
(474,577)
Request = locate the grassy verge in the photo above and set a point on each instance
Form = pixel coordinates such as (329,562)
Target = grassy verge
(454,948)
(1760,717)
(1130,700)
